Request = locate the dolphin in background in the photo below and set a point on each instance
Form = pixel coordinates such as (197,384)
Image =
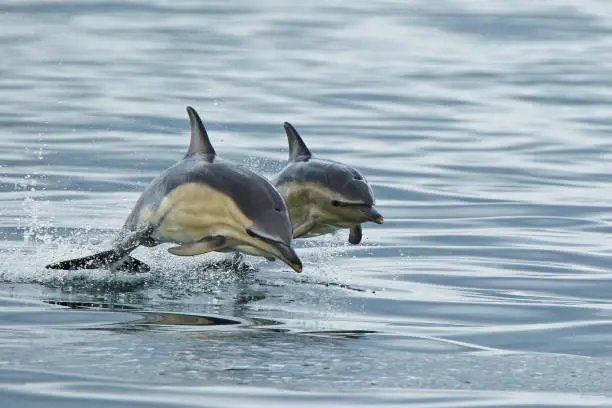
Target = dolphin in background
(203,204)
(323,195)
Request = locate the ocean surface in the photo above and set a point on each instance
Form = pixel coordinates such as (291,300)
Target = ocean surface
(484,128)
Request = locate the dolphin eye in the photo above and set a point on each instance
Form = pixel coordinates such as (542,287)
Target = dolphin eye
(357,177)
(335,203)
(277,210)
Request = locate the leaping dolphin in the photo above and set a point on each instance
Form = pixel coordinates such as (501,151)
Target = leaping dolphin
(204,204)
(323,195)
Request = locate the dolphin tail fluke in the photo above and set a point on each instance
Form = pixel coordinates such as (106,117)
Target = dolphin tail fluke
(133,265)
(107,259)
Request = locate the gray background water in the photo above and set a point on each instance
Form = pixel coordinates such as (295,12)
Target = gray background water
(483,127)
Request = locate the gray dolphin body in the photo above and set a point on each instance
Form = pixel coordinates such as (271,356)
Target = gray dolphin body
(204,204)
(323,195)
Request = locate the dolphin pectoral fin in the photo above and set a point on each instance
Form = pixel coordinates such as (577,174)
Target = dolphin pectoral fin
(355,235)
(203,246)
(304,228)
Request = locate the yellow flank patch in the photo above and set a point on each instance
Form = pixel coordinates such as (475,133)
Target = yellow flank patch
(308,202)
(305,200)
(193,211)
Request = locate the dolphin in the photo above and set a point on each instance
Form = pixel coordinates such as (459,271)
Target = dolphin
(203,204)
(323,195)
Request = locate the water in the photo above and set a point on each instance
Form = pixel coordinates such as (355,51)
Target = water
(483,127)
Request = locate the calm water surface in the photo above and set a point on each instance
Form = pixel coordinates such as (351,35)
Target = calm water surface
(483,126)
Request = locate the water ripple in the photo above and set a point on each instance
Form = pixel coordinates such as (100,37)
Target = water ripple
(482,126)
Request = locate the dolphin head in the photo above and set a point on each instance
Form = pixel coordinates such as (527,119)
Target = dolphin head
(271,230)
(353,199)
(346,193)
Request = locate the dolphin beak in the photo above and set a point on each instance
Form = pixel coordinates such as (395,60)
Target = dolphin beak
(373,215)
(289,256)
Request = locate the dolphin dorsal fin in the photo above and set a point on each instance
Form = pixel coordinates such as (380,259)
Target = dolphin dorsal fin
(297,148)
(200,143)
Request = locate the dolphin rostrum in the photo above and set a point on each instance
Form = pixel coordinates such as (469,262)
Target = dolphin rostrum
(323,195)
(203,204)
